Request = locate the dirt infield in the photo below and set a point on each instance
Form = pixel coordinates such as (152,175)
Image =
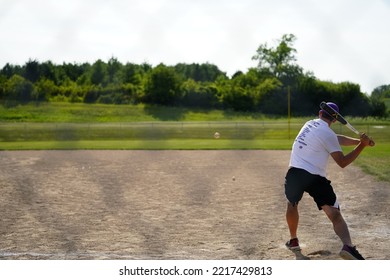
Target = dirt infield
(175,205)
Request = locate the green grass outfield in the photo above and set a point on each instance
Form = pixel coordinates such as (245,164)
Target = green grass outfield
(169,144)
(64,126)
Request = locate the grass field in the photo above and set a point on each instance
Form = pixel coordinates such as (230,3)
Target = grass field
(83,126)
(98,113)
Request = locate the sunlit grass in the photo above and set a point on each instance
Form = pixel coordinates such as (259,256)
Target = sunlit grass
(170,144)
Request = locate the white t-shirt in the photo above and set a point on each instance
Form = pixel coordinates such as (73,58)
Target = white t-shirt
(312,147)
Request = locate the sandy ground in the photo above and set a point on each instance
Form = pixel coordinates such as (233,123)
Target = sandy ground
(175,205)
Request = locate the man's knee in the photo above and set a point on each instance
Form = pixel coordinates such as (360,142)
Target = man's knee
(292,208)
(333,213)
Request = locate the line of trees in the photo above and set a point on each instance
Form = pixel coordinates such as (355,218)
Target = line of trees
(262,88)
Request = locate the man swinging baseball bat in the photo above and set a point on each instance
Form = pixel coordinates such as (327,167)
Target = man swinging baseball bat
(307,173)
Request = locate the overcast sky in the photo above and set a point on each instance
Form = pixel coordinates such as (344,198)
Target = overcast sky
(337,40)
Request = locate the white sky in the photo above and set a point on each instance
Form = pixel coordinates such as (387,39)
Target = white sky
(337,40)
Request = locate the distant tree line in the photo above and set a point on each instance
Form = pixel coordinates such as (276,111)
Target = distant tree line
(263,88)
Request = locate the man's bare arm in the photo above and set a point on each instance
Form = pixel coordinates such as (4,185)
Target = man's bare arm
(347,141)
(345,160)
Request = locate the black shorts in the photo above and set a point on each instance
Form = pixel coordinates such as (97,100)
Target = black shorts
(299,181)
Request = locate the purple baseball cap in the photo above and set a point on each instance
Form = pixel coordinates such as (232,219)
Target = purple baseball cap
(333,106)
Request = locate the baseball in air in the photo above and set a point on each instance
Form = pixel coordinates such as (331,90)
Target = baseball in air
(217,135)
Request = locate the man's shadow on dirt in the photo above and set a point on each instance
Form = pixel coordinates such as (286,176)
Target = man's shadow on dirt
(300,256)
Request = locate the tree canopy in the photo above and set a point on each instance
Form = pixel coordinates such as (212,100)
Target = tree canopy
(262,88)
